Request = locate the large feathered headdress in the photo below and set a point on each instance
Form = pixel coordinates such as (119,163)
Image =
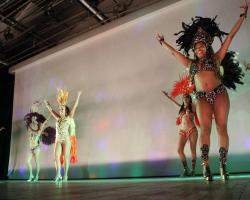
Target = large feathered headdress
(205,30)
(201,29)
(62,96)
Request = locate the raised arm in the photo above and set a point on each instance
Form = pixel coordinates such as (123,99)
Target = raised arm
(179,56)
(223,50)
(52,112)
(172,100)
(43,124)
(72,113)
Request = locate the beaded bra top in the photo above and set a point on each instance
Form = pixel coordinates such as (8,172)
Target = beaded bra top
(206,65)
(64,126)
(34,138)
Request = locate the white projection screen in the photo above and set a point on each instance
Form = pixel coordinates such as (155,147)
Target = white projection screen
(125,126)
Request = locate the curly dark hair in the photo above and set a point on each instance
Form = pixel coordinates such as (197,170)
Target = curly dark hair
(39,118)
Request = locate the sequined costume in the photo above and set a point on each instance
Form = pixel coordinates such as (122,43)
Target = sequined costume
(64,128)
(34,140)
(47,136)
(65,131)
(207,65)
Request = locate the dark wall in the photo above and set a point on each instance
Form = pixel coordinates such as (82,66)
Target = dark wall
(6,105)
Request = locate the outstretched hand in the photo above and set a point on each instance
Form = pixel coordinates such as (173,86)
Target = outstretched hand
(46,102)
(79,93)
(244,6)
(160,38)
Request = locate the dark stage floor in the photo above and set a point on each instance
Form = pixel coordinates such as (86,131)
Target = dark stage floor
(145,188)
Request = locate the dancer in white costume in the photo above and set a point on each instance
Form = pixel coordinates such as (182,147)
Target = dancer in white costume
(35,123)
(65,132)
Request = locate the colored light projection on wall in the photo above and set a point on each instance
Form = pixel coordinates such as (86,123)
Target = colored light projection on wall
(125,126)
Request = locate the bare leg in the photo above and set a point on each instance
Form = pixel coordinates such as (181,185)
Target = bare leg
(67,146)
(181,145)
(193,143)
(37,160)
(221,110)
(205,112)
(57,152)
(30,155)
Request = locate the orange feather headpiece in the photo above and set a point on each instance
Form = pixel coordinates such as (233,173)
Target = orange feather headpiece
(183,86)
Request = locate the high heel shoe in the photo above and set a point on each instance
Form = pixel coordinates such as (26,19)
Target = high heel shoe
(192,173)
(30,178)
(58,179)
(65,178)
(207,173)
(223,172)
(223,166)
(185,172)
(36,179)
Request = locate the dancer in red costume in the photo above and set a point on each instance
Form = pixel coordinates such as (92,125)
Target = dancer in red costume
(185,122)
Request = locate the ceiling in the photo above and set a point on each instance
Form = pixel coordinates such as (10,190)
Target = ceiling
(28,27)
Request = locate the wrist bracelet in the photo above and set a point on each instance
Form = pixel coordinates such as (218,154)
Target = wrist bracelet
(161,40)
(243,15)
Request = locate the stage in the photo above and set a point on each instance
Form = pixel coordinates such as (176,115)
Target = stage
(133,128)
(238,187)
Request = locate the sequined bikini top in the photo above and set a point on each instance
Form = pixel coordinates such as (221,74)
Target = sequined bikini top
(64,124)
(207,65)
